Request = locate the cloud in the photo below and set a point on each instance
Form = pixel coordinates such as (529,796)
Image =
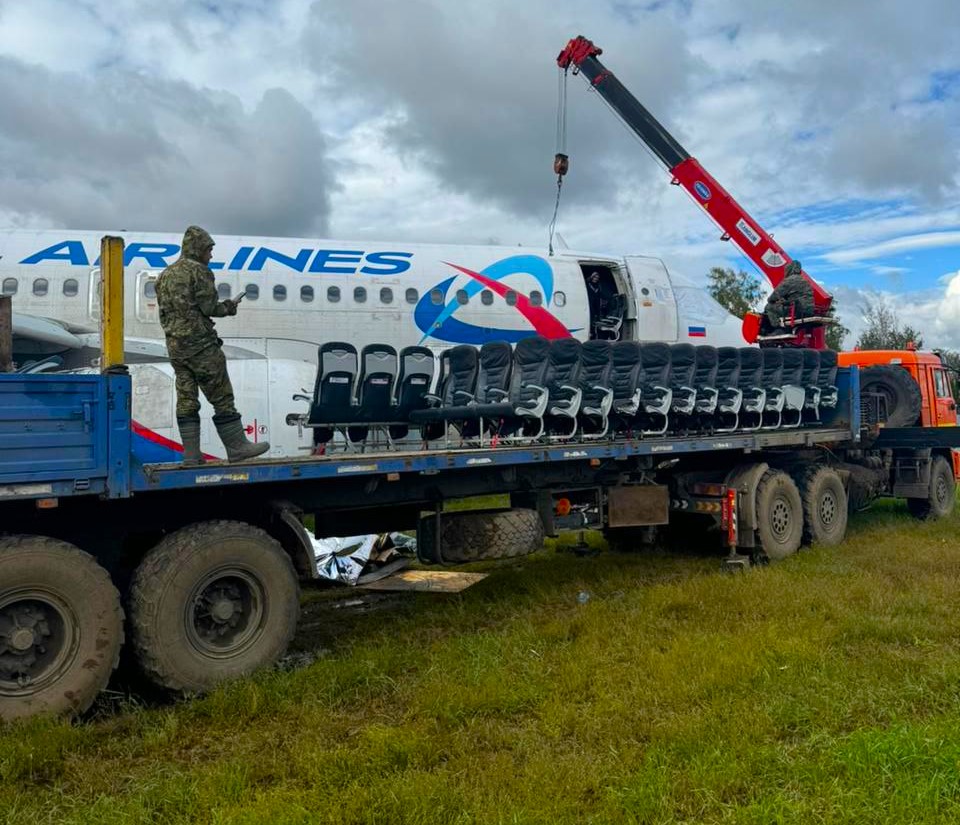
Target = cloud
(893,246)
(138,152)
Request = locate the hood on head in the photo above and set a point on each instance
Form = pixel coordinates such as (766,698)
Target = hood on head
(196,241)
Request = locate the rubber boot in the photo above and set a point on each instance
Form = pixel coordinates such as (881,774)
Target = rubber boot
(234,439)
(190,436)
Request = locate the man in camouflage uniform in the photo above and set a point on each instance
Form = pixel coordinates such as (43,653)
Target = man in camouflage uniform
(187,298)
(794,293)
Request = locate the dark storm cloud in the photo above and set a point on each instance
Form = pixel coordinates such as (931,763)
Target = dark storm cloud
(136,152)
(474,86)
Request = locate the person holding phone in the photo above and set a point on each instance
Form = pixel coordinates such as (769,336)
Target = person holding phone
(187,300)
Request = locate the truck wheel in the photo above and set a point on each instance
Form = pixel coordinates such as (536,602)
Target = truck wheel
(900,392)
(61,627)
(824,506)
(942,497)
(211,602)
(779,515)
(470,537)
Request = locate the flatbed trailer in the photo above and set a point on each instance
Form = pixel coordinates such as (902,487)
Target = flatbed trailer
(201,564)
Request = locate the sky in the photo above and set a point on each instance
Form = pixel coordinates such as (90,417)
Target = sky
(836,125)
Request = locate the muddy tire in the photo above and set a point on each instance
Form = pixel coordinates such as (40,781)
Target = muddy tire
(481,536)
(779,515)
(900,391)
(825,507)
(212,602)
(942,497)
(61,628)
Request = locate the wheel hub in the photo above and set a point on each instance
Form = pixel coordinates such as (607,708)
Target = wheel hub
(780,518)
(36,641)
(225,614)
(828,508)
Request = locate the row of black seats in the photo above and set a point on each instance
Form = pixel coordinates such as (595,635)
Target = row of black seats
(561,387)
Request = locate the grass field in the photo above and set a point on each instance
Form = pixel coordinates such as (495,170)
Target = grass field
(822,689)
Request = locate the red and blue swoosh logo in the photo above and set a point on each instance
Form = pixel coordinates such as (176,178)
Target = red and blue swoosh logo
(436,320)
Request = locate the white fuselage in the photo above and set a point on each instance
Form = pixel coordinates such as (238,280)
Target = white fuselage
(365,292)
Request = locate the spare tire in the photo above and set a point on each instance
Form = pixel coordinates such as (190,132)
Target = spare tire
(901,394)
(480,536)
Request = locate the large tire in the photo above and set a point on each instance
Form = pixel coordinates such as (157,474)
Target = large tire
(942,497)
(212,602)
(61,628)
(901,392)
(824,506)
(484,536)
(779,515)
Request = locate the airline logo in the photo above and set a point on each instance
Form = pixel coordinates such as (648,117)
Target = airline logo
(436,319)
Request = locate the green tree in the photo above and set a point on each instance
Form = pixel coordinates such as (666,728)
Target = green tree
(739,292)
(835,333)
(883,329)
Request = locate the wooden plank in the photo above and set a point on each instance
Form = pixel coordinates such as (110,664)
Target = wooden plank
(426,581)
(6,334)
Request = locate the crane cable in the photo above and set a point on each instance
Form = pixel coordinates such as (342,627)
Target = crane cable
(560,160)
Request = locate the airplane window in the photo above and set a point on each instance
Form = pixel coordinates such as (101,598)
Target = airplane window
(279,293)
(386,295)
(462,297)
(436,297)
(644,291)
(412,296)
(223,290)
(560,299)
(486,298)
(306,294)
(71,287)
(150,289)
(40,286)
(9,286)
(360,294)
(252,292)
(333,294)
(511,298)
(536,298)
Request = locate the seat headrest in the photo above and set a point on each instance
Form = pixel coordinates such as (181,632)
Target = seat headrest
(626,352)
(565,351)
(534,348)
(683,355)
(655,354)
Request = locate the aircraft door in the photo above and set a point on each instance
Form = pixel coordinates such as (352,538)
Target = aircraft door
(93,295)
(656,314)
(146,300)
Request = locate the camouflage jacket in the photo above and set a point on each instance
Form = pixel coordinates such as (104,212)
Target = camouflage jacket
(187,297)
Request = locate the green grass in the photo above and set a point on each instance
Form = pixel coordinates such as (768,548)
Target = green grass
(822,689)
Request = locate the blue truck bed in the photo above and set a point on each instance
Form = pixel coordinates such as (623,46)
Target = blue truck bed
(67,435)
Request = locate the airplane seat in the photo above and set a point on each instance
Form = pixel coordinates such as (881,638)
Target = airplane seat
(458,381)
(750,383)
(705,381)
(528,392)
(378,375)
(827,378)
(563,389)
(809,381)
(729,394)
(417,368)
(656,396)
(626,376)
(794,392)
(333,389)
(609,325)
(490,399)
(772,382)
(683,364)
(596,394)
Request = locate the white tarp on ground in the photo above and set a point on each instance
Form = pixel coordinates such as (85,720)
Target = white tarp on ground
(343,559)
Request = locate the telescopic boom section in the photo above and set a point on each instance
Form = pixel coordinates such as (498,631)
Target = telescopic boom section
(737,225)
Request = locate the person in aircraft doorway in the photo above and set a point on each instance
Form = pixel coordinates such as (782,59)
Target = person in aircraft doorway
(187,299)
(597,299)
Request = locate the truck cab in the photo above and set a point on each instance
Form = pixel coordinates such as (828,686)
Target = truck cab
(938,407)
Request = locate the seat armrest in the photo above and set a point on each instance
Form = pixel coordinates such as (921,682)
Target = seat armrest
(468,395)
(499,393)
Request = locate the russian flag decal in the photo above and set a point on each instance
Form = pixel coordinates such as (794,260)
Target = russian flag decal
(696,332)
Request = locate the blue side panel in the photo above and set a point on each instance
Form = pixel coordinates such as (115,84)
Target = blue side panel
(119,435)
(53,428)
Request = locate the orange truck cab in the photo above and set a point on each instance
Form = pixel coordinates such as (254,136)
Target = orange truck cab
(938,408)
